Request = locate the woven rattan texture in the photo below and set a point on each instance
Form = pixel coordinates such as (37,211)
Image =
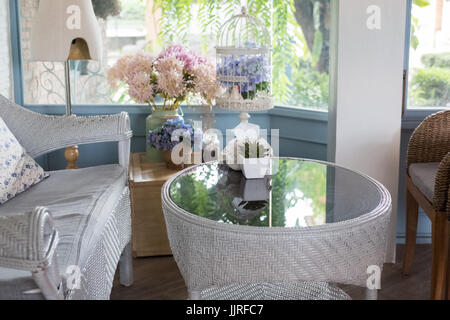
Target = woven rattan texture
(98,272)
(213,254)
(27,241)
(442,185)
(40,134)
(23,242)
(430,142)
(304,290)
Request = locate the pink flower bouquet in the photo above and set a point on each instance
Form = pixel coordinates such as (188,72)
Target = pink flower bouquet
(176,74)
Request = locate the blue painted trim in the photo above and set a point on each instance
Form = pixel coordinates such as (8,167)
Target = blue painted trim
(59,109)
(16,51)
(407,48)
(413,117)
(407,34)
(299,113)
(315,141)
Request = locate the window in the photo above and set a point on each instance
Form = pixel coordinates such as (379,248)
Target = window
(429,55)
(300,34)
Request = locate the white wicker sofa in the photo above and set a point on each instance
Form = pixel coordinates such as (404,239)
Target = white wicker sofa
(75,220)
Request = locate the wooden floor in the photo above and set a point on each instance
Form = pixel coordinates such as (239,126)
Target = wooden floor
(158,278)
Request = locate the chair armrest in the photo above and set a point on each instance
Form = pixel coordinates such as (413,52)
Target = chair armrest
(27,241)
(430,141)
(442,185)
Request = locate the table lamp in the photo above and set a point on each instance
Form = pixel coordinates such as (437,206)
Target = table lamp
(65,30)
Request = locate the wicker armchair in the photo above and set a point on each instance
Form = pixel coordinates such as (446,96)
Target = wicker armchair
(75,218)
(428,186)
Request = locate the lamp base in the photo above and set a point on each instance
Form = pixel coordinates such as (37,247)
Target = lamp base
(71,155)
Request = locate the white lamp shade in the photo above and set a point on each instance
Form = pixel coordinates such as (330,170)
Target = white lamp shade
(65,30)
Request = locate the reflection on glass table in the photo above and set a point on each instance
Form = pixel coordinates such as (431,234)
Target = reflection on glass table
(298,194)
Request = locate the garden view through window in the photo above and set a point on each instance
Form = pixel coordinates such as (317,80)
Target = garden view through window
(299,28)
(429,55)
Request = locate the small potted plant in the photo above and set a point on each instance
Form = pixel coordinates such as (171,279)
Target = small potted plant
(255,158)
(174,138)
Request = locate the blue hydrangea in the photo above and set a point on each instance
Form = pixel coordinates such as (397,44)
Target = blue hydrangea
(255,67)
(161,138)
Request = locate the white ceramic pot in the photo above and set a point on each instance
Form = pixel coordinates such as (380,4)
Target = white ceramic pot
(256,168)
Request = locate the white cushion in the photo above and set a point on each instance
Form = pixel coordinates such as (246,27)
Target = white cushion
(18,171)
(80,202)
(423,175)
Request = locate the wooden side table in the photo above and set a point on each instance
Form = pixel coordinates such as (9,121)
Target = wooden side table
(149,236)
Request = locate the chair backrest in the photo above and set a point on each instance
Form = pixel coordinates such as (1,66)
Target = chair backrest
(430,141)
(18,120)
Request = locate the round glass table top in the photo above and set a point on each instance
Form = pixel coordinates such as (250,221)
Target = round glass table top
(299,193)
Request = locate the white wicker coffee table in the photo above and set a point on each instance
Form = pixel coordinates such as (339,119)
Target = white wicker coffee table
(294,235)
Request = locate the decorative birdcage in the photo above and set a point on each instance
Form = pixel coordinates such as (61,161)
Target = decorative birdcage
(244,67)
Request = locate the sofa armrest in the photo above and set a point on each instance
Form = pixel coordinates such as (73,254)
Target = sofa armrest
(28,242)
(442,185)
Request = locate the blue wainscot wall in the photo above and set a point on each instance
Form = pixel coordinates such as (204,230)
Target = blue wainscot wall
(303,133)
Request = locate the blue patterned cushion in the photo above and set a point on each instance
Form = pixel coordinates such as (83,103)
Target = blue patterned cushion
(18,171)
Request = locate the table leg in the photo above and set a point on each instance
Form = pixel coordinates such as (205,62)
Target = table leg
(371,294)
(194,294)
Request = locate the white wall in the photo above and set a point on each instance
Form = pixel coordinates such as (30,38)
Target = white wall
(365,110)
(5,51)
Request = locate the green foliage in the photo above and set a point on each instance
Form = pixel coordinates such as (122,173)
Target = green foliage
(415,23)
(133,10)
(430,87)
(177,18)
(198,193)
(310,87)
(421,3)
(254,150)
(311,179)
(290,50)
(436,60)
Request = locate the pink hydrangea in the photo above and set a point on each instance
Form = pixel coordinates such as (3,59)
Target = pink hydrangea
(205,82)
(140,87)
(141,62)
(175,74)
(171,84)
(117,73)
(169,63)
(188,57)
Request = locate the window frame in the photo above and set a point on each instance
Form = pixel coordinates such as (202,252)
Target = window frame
(412,117)
(18,84)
